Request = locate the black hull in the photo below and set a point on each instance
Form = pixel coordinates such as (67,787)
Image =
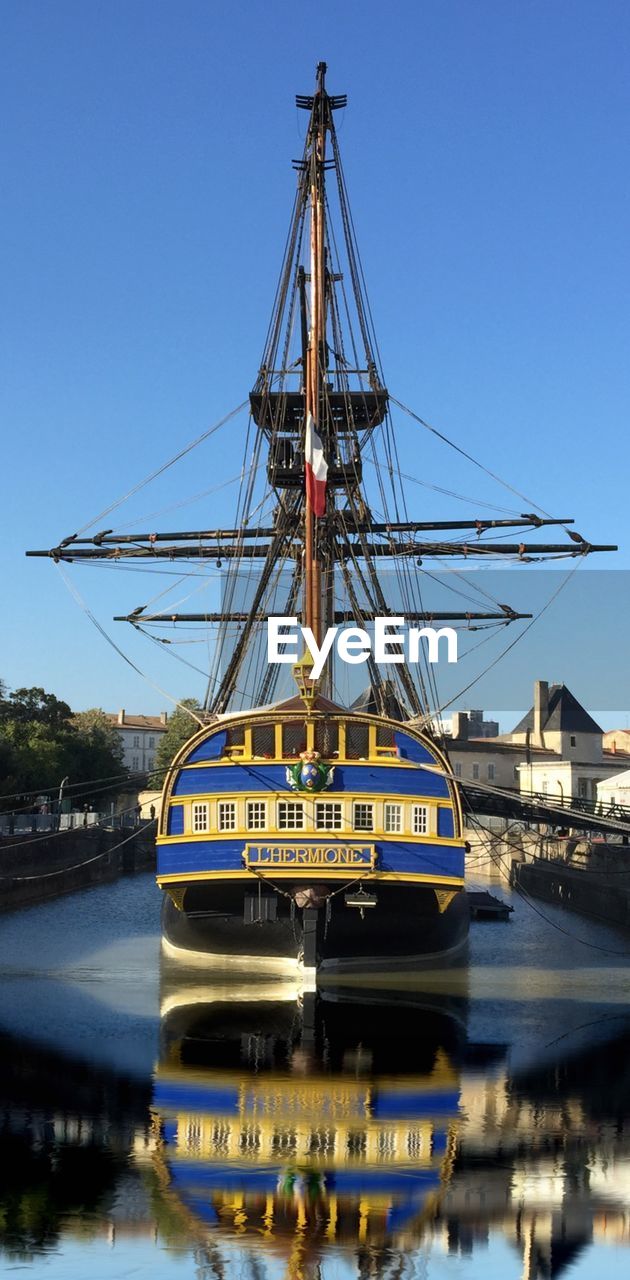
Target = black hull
(404,931)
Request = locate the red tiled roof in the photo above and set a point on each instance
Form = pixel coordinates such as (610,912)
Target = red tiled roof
(136,722)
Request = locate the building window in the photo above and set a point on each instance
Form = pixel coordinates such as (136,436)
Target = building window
(200,817)
(572,739)
(392,818)
(328,816)
(491,773)
(135,763)
(363,817)
(136,740)
(475,771)
(420,819)
(150,762)
(227,815)
(583,788)
(290,815)
(151,744)
(256,815)
(458,770)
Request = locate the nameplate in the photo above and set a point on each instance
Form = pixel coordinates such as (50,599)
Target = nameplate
(310,855)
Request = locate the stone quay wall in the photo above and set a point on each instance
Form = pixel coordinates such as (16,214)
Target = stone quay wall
(594,890)
(34,868)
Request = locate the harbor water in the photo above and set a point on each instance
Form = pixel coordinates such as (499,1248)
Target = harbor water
(166,1122)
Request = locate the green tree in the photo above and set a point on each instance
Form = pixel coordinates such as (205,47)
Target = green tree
(35,706)
(95,731)
(181,727)
(98,748)
(41,743)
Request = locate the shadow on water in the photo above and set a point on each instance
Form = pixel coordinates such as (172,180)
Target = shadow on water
(207,1125)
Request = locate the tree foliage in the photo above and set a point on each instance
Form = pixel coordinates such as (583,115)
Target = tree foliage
(181,727)
(42,743)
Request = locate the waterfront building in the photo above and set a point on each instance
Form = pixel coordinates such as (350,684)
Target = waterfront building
(614,790)
(556,749)
(617,740)
(140,737)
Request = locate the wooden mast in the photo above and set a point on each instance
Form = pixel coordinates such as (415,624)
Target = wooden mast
(312,566)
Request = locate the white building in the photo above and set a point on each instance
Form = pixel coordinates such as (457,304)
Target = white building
(615,790)
(557,749)
(558,723)
(140,736)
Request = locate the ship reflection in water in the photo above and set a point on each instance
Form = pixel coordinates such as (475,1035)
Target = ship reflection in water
(380,1130)
(303,1136)
(328,1122)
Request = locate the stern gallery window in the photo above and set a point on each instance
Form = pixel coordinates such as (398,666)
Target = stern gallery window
(200,817)
(227,815)
(290,815)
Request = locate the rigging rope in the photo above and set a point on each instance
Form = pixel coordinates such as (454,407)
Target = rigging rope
(100,628)
(205,435)
(458,449)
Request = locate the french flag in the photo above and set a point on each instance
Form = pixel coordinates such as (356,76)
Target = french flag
(316,468)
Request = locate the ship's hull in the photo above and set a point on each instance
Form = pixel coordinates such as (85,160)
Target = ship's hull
(364,873)
(405,930)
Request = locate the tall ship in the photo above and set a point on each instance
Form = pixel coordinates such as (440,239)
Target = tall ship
(301,828)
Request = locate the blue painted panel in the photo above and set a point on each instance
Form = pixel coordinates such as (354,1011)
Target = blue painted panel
(421,859)
(201,1208)
(197,1175)
(176,820)
(446,826)
(211,749)
(170,1096)
(401,1214)
(406,1106)
(389,1182)
(226,855)
(439,1143)
(366,778)
(350,1182)
(409,749)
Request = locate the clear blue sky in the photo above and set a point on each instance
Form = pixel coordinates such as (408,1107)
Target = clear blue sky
(146,151)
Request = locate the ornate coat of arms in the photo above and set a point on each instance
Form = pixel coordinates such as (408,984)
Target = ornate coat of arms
(311,774)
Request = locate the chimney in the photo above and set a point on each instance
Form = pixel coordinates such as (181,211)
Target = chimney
(541,711)
(459,725)
(163,717)
(121,717)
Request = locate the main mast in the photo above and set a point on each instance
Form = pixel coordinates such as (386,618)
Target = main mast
(316,354)
(316,409)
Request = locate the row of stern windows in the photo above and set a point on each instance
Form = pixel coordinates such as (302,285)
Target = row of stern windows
(219,1137)
(334,739)
(359,816)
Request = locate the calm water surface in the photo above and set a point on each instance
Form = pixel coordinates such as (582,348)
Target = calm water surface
(472,1123)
